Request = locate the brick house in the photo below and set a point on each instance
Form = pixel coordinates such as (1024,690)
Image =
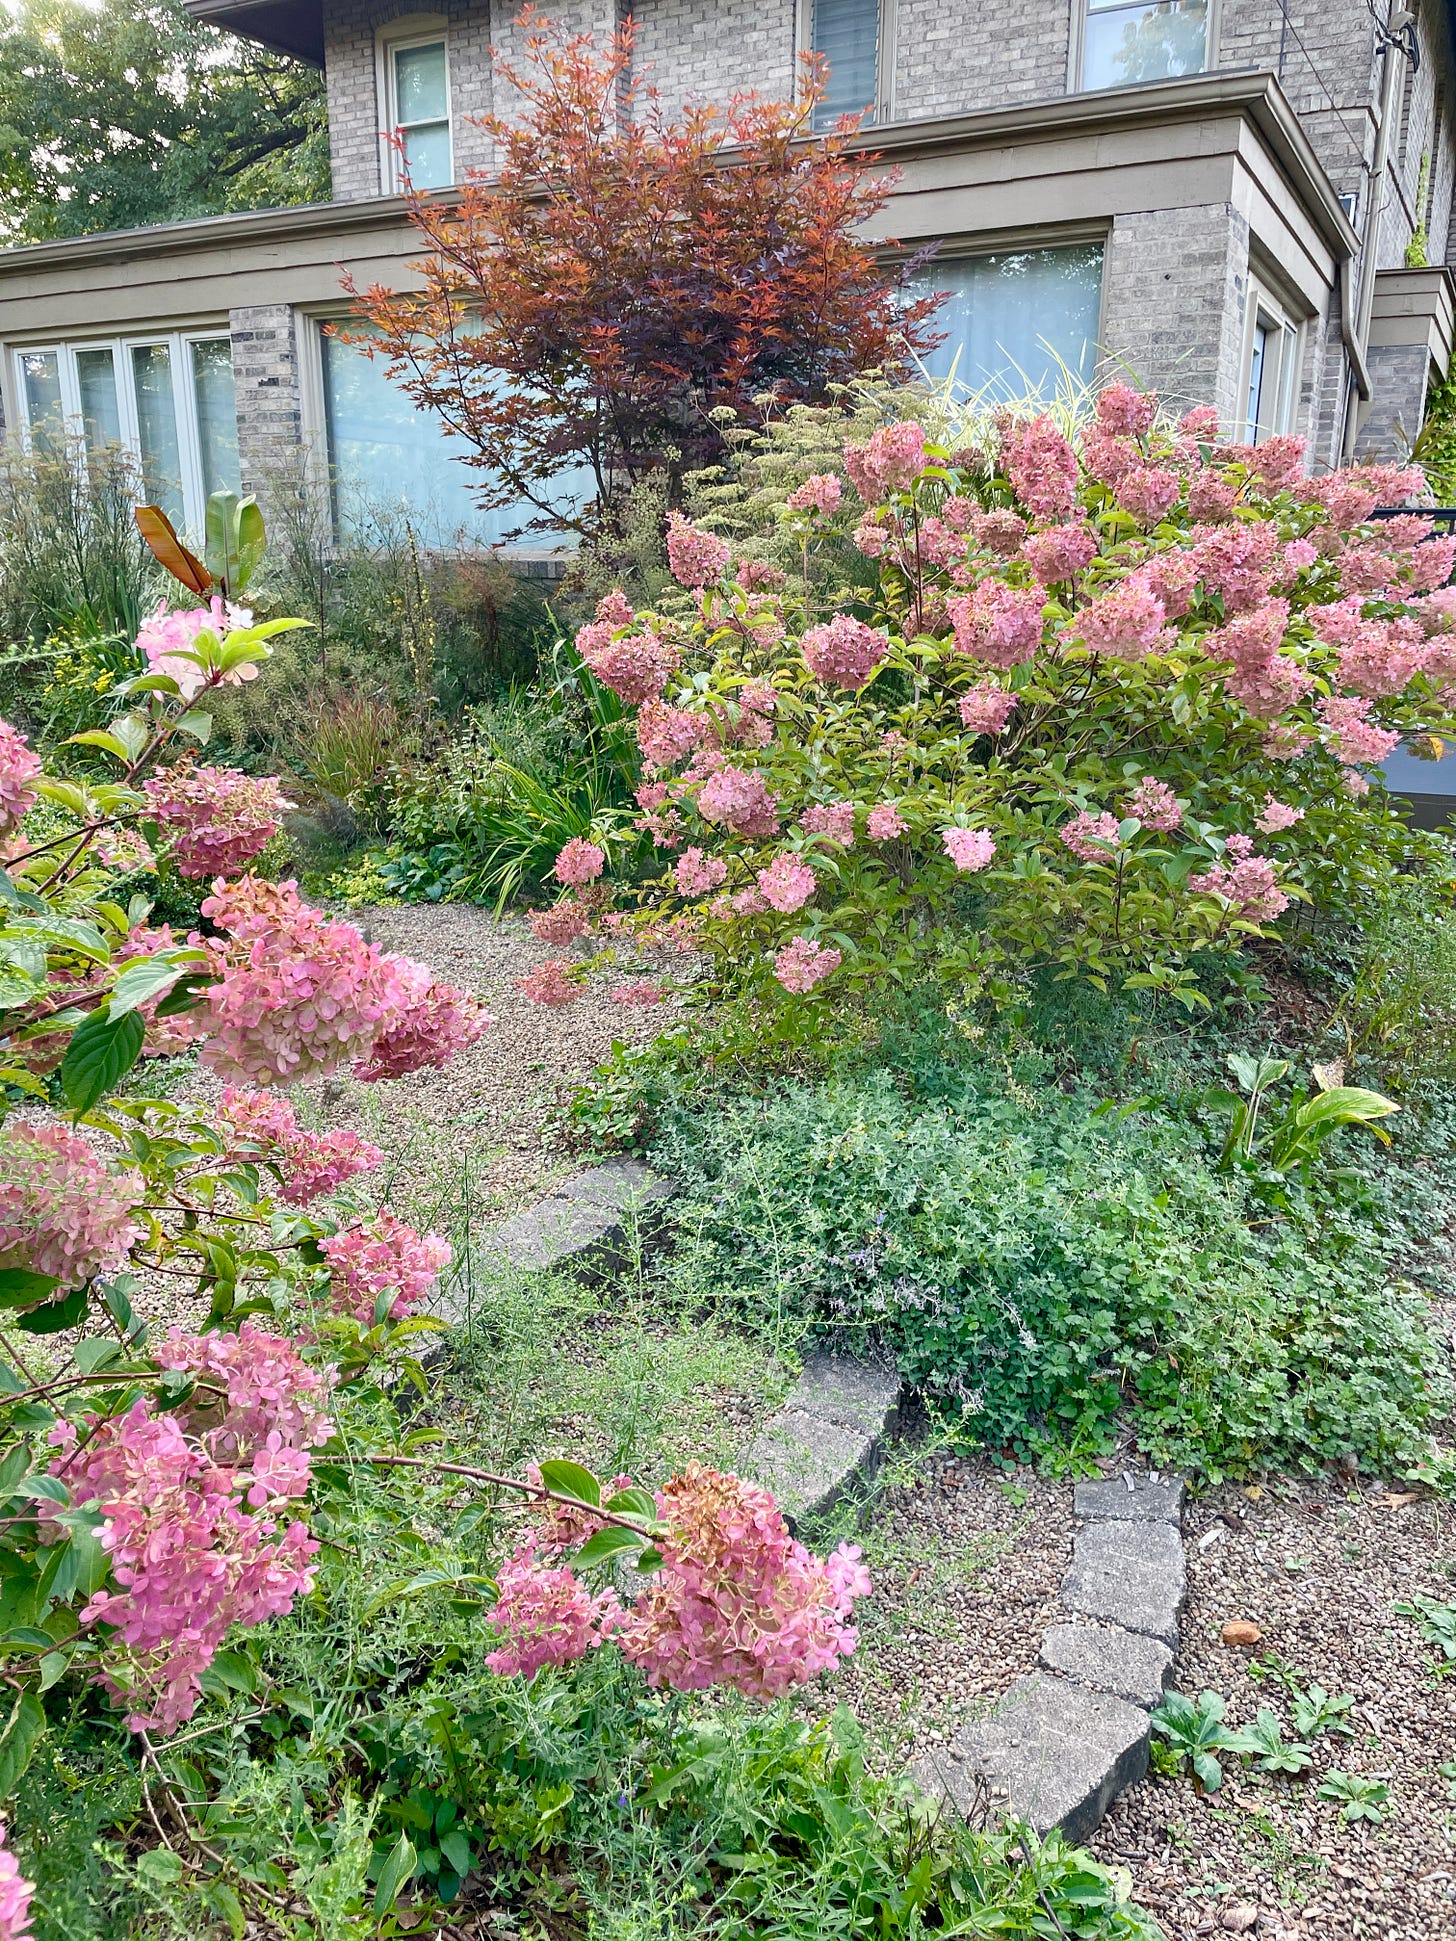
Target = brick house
(1221,194)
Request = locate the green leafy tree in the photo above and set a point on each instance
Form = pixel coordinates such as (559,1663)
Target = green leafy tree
(117,115)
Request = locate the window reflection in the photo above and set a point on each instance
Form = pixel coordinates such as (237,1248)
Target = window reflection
(1141,42)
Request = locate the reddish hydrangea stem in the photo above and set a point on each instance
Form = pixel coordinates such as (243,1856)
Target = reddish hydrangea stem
(534,1490)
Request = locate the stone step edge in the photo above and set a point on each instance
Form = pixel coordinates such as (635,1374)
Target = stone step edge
(1058,1749)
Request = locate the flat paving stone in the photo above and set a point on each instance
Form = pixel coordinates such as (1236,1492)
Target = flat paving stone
(1145,1502)
(806,1461)
(1131,1574)
(1109,1659)
(1053,1753)
(850,1392)
(616,1184)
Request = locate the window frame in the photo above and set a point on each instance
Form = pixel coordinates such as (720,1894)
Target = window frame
(1286,339)
(178,344)
(393,39)
(1077,49)
(882,108)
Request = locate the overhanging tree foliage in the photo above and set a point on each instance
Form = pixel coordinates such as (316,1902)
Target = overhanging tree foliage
(621,278)
(119,115)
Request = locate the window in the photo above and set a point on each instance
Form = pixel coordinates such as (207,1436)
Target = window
(1271,361)
(417,111)
(847,33)
(386,458)
(1015,319)
(1143,40)
(165,401)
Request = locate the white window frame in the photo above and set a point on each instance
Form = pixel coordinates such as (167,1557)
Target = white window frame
(184,398)
(1285,347)
(411,30)
(882,108)
(1077,49)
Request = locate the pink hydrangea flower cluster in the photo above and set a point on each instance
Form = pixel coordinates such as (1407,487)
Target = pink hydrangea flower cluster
(1149,492)
(666,734)
(1377,658)
(1276,816)
(633,668)
(218,818)
(1041,466)
(985,709)
(551,984)
(300,992)
(845,652)
(429,1024)
(1263,679)
(695,556)
(820,493)
(998,624)
(738,1601)
(1154,804)
(384,1255)
(19,767)
(1126,412)
(169,641)
(1353,736)
(545,1616)
(787,884)
(892,460)
(884,822)
(62,1211)
(802,964)
(15,1895)
(1126,623)
(640,996)
(1248,883)
(195,1546)
(1090,836)
(1237,561)
(563,923)
(264,1126)
(272,1397)
(968,849)
(1000,531)
(1059,552)
(579,862)
(697,874)
(832,819)
(740,800)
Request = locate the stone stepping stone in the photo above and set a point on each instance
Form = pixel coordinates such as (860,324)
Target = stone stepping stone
(1132,1574)
(830,1432)
(1053,1753)
(1110,1659)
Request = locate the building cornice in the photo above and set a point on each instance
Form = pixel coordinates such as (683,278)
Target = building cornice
(1253,97)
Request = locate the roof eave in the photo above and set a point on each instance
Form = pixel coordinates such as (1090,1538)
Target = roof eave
(280,25)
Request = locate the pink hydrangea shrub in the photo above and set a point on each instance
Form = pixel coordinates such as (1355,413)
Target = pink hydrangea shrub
(968,849)
(695,556)
(697,874)
(63,1211)
(19,766)
(642,995)
(832,819)
(845,652)
(892,460)
(802,964)
(1276,816)
(1058,553)
(218,818)
(1126,623)
(820,493)
(271,1397)
(666,734)
(384,1255)
(563,923)
(998,624)
(1042,467)
(740,800)
(1248,884)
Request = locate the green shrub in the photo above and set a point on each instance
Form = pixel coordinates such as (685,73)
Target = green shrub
(1038,1271)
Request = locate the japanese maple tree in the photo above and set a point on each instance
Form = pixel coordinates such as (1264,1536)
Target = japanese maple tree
(619,277)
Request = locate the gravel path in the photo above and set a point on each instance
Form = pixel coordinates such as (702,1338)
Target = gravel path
(1319,1569)
(967,1562)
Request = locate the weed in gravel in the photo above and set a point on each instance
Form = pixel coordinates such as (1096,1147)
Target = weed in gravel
(1437,1624)
(1265,1744)
(1357,1798)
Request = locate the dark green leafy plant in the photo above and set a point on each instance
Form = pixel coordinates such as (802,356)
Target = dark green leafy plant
(1194,1731)
(1358,1798)
(1265,1745)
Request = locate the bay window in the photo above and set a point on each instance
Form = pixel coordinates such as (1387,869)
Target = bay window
(1015,320)
(1124,41)
(165,401)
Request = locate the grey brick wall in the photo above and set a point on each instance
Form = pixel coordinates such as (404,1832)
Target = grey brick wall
(1174,286)
(692,51)
(1399,374)
(950,60)
(266,380)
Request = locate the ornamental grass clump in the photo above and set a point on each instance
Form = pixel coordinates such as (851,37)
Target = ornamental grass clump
(1059,682)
